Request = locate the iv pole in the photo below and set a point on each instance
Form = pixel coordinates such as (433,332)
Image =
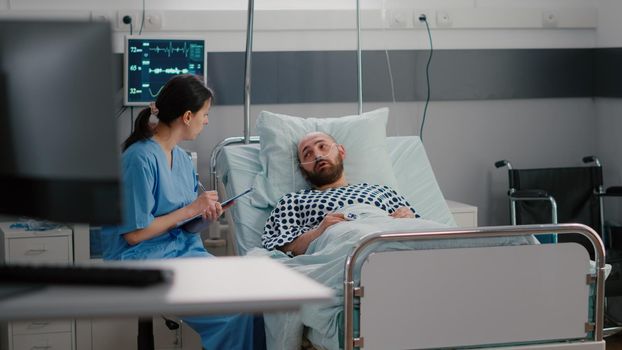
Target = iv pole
(247,71)
(359,64)
(248,63)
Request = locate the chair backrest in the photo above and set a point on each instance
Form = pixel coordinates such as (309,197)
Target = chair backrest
(574,190)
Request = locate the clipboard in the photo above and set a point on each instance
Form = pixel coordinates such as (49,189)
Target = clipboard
(197,223)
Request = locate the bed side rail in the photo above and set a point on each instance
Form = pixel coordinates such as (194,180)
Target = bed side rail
(361,250)
(216,153)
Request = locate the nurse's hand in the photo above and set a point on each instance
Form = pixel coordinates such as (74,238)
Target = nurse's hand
(207,204)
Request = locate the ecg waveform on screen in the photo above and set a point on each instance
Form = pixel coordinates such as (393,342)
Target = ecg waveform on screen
(173,70)
(156,93)
(192,51)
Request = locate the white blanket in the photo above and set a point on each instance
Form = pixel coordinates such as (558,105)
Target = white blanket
(325,261)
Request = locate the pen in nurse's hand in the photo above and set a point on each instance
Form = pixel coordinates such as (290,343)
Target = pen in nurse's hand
(201,186)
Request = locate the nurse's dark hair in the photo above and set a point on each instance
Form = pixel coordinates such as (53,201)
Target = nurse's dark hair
(180,94)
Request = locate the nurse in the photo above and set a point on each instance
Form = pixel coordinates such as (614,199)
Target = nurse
(160,189)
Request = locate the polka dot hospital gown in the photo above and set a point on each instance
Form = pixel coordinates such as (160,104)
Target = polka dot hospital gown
(299,212)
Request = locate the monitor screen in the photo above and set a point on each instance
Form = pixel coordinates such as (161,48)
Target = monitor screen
(149,62)
(59,148)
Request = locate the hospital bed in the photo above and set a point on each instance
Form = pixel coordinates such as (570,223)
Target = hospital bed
(515,297)
(519,297)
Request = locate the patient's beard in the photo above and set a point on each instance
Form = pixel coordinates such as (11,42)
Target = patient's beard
(325,177)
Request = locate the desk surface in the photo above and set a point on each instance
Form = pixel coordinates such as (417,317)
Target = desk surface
(200,286)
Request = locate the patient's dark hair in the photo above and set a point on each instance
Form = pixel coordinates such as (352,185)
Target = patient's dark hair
(180,94)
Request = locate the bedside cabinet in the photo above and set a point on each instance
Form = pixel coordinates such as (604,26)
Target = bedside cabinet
(52,246)
(464,215)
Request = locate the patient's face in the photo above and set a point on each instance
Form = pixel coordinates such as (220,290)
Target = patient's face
(321,159)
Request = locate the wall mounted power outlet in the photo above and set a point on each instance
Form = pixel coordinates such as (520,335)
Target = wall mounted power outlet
(549,19)
(103,16)
(153,21)
(443,19)
(419,16)
(134,16)
(397,18)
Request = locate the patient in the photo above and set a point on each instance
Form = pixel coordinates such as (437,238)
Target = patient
(301,217)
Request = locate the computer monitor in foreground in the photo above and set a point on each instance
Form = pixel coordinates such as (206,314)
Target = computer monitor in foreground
(149,62)
(59,149)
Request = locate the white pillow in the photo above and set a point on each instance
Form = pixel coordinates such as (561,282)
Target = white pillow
(363,137)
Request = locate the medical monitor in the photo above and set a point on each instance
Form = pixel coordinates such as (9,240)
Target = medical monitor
(149,62)
(59,148)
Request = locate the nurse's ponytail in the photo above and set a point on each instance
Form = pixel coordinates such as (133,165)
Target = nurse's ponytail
(181,93)
(142,129)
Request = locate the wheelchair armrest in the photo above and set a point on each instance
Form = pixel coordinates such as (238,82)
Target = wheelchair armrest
(591,159)
(529,194)
(614,191)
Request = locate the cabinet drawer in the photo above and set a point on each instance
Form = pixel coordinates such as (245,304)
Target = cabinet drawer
(49,341)
(41,326)
(39,249)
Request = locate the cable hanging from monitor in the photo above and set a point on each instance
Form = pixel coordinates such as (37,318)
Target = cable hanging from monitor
(424,19)
(128,20)
(131,119)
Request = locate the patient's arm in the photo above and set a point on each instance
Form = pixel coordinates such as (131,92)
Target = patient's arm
(299,245)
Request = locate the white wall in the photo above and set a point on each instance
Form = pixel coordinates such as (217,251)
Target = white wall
(609,24)
(463,139)
(329,24)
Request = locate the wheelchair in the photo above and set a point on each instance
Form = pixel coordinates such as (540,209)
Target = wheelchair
(565,195)
(560,195)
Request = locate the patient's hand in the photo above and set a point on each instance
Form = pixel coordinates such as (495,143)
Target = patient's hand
(301,243)
(403,212)
(329,220)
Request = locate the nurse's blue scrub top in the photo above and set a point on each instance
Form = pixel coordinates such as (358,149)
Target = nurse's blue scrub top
(151,188)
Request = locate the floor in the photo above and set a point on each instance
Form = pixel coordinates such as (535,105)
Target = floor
(614,342)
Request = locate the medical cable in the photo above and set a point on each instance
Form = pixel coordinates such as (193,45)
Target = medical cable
(427,76)
(128,20)
(386,51)
(201,185)
(320,156)
(132,119)
(121,111)
(142,21)
(388,60)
